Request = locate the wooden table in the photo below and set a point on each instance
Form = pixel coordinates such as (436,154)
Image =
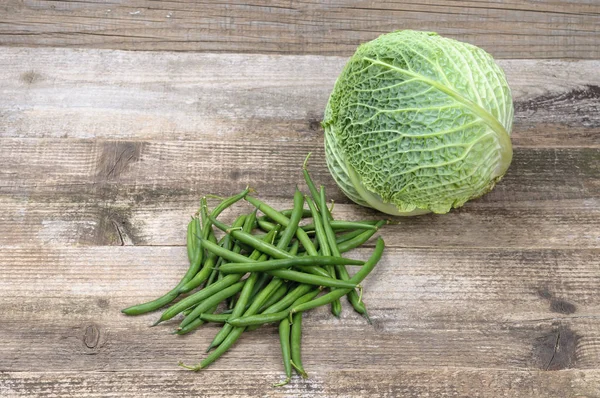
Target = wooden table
(105,154)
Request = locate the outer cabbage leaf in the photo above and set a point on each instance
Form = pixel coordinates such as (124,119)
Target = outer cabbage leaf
(418,123)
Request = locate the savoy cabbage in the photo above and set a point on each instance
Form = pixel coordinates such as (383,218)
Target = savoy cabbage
(418,123)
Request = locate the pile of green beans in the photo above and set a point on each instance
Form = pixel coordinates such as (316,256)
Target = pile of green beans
(266,268)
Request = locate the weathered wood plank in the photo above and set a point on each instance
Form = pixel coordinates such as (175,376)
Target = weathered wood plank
(500,309)
(211,166)
(122,192)
(178,96)
(508,29)
(33,221)
(396,382)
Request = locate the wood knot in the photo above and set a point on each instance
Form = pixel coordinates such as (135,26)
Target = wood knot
(91,337)
(556,350)
(30,77)
(116,157)
(557,304)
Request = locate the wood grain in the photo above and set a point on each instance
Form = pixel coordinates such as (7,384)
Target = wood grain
(104,155)
(180,96)
(507,29)
(408,383)
(459,308)
(64,191)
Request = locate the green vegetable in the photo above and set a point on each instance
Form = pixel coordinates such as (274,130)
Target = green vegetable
(287,272)
(418,123)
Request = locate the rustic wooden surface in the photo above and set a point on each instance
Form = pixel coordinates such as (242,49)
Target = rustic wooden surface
(105,153)
(506,28)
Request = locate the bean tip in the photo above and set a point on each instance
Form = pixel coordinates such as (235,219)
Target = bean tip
(195,368)
(305,164)
(283,383)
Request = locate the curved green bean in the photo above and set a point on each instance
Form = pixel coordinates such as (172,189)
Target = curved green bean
(358,240)
(295,344)
(310,279)
(284,340)
(212,301)
(192,270)
(199,296)
(357,278)
(215,318)
(252,241)
(260,319)
(269,265)
(283,220)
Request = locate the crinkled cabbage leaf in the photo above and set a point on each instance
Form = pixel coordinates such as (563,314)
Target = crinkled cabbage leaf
(418,123)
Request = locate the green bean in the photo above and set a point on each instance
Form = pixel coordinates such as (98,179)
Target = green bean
(362,273)
(286,213)
(237,248)
(215,318)
(329,234)
(222,348)
(275,297)
(269,265)
(336,306)
(295,344)
(222,206)
(320,232)
(263,296)
(238,310)
(339,269)
(357,278)
(358,240)
(240,305)
(310,279)
(284,274)
(212,301)
(290,230)
(316,270)
(252,241)
(261,282)
(172,294)
(228,255)
(187,312)
(191,239)
(265,225)
(189,327)
(335,225)
(347,236)
(309,182)
(226,243)
(192,270)
(283,220)
(293,250)
(199,296)
(284,340)
(260,319)
(214,273)
(205,272)
(289,299)
(250,313)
